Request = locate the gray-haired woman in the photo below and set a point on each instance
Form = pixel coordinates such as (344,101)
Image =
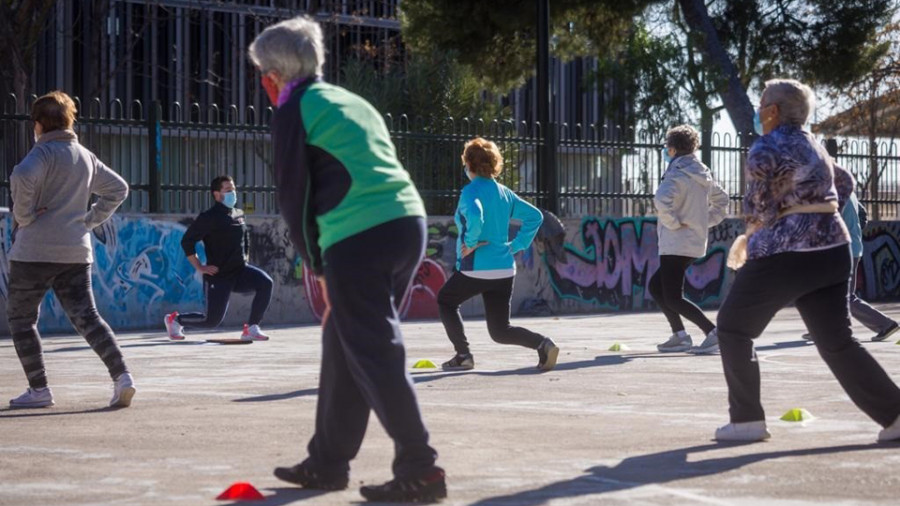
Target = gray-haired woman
(342,190)
(798,251)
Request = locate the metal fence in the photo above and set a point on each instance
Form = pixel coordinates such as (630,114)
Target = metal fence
(169,154)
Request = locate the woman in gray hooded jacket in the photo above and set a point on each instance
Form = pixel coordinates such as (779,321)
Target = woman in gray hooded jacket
(688,202)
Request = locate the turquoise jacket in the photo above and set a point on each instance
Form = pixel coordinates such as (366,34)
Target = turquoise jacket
(850,214)
(483,214)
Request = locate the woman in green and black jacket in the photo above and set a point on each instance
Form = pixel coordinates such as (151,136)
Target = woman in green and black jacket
(358,222)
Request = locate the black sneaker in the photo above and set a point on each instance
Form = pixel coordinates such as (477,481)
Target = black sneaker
(886,333)
(302,475)
(547,354)
(429,488)
(459,363)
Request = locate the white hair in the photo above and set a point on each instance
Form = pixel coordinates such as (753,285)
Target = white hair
(293,48)
(795,100)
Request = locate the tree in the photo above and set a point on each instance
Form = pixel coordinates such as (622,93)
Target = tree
(872,111)
(22,22)
(497,40)
(727,46)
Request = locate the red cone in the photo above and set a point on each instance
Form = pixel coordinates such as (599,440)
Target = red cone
(241,491)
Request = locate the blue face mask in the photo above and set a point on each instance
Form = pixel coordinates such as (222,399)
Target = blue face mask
(229,199)
(757,123)
(666,156)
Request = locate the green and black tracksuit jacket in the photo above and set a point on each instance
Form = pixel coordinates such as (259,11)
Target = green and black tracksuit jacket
(336,169)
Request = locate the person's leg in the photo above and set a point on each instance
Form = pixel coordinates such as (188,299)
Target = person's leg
(27,285)
(873,319)
(253,279)
(342,412)
(456,290)
(363,294)
(656,291)
(497,299)
(673,268)
(73,289)
(218,291)
(826,316)
(761,288)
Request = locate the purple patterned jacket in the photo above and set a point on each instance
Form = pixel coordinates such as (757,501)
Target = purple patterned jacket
(787,168)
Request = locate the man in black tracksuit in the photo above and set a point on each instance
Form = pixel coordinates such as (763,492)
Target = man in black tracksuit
(224,235)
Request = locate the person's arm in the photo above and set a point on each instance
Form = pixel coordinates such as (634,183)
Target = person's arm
(759,203)
(843,183)
(531,219)
(863,216)
(667,197)
(292,176)
(111,191)
(194,234)
(472,211)
(718,204)
(23,184)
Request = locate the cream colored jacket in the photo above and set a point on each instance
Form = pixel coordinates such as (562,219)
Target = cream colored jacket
(688,202)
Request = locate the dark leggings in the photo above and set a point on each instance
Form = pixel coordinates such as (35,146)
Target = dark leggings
(667,289)
(28,284)
(816,282)
(496,294)
(250,279)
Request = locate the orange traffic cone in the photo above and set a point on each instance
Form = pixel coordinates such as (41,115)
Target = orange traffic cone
(241,491)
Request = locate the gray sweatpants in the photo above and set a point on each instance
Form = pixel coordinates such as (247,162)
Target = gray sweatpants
(873,319)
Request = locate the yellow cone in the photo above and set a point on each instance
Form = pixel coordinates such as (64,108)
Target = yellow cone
(797,415)
(424,364)
(619,347)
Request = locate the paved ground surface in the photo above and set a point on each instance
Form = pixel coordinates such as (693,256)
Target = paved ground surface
(603,428)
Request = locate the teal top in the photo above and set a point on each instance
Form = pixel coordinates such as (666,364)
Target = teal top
(483,214)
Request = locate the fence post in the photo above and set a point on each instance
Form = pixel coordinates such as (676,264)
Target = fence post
(154,134)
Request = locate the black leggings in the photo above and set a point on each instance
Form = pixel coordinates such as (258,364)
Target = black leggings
(667,289)
(250,279)
(496,294)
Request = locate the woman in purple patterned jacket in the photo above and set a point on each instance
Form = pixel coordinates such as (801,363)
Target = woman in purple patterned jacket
(797,252)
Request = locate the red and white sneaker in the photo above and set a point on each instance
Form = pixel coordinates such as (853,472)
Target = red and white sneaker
(252,333)
(175,330)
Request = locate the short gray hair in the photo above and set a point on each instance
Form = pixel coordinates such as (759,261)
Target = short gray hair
(684,139)
(795,100)
(293,48)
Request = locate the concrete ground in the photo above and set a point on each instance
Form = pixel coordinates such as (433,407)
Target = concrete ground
(603,428)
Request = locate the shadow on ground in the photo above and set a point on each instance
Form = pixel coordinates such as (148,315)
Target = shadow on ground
(428,376)
(657,468)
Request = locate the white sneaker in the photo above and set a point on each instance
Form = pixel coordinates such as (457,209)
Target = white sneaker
(891,432)
(676,343)
(175,330)
(123,391)
(33,398)
(252,333)
(746,431)
(709,345)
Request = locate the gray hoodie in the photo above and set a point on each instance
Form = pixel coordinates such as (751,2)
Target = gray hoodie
(688,202)
(59,176)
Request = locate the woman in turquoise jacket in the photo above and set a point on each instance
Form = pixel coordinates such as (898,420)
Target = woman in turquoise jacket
(485,263)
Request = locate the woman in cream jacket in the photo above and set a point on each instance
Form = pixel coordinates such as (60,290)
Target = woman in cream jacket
(688,202)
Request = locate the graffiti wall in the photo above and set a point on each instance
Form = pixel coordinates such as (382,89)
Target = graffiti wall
(878,275)
(590,265)
(606,264)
